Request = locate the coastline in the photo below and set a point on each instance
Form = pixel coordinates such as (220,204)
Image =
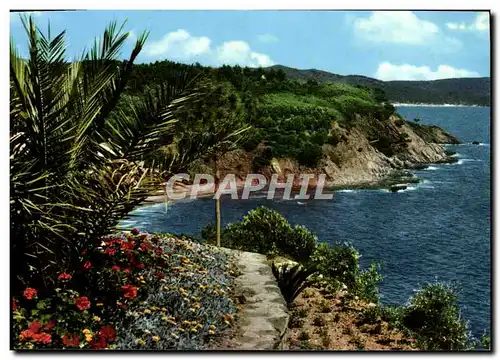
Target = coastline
(395,178)
(435,105)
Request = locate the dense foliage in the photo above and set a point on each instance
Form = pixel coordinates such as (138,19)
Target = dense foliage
(265,231)
(432,316)
(289,118)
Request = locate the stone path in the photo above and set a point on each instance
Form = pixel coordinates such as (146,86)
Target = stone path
(263,322)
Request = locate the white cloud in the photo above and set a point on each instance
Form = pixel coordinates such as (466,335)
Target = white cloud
(239,53)
(179,45)
(387,71)
(481,23)
(267,38)
(402,27)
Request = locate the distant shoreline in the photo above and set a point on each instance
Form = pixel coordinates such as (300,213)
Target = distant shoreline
(435,105)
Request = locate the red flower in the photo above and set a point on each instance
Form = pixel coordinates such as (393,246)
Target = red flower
(14,305)
(34,326)
(115,268)
(126,270)
(145,246)
(140,265)
(159,251)
(43,338)
(71,340)
(110,251)
(128,245)
(29,293)
(101,344)
(159,275)
(64,276)
(135,231)
(129,291)
(82,303)
(26,334)
(107,332)
(87,265)
(50,325)
(84,252)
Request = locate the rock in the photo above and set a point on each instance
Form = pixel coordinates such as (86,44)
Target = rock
(475,142)
(419,166)
(398,187)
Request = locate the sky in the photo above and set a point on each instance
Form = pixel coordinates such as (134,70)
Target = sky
(387,45)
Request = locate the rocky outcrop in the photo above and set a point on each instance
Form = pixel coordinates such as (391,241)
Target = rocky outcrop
(369,151)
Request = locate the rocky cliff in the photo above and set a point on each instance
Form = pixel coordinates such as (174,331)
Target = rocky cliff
(370,152)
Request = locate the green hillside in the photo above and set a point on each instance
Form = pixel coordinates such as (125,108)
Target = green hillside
(466,91)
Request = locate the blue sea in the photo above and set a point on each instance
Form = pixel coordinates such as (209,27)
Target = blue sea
(438,229)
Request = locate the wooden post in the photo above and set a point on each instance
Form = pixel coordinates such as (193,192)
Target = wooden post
(217,203)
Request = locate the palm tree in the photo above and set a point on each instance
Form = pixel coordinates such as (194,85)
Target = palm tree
(79,163)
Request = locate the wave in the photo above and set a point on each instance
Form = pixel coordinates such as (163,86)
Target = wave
(346,191)
(409,188)
(431,168)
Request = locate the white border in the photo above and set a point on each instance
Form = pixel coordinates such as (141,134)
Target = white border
(193,4)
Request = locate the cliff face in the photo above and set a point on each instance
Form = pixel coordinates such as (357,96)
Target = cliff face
(366,153)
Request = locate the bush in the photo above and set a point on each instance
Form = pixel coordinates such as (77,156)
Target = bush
(337,263)
(340,266)
(309,155)
(399,122)
(265,231)
(433,317)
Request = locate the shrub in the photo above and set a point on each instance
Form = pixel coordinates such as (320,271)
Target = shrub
(325,307)
(319,321)
(291,280)
(265,231)
(304,335)
(339,264)
(399,122)
(310,155)
(433,316)
(367,283)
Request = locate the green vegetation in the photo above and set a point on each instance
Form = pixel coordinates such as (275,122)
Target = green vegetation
(266,231)
(431,316)
(291,279)
(468,91)
(83,154)
(290,119)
